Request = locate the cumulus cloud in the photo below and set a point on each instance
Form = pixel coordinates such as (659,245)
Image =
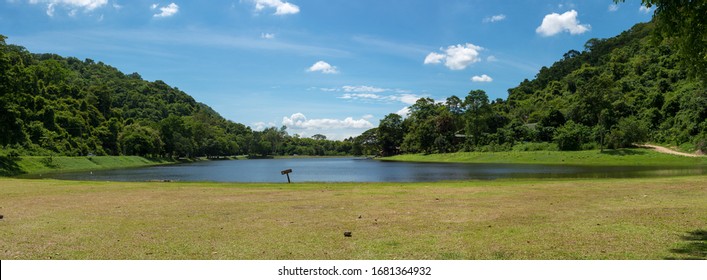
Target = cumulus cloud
(300,121)
(281,8)
(166,11)
(72,5)
(267,36)
(555,23)
(613,8)
(434,58)
(482,79)
(456,57)
(491,58)
(495,18)
(324,67)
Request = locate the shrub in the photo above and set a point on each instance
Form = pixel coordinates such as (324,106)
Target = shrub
(571,136)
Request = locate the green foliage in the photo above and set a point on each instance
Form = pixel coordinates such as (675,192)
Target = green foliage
(390,134)
(571,136)
(627,132)
(683,22)
(140,140)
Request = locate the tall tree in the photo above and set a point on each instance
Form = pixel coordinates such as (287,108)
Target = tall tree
(477,111)
(390,134)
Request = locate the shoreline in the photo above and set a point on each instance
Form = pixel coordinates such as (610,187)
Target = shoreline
(38,165)
(620,157)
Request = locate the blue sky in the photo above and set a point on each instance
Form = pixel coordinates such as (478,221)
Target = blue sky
(333,67)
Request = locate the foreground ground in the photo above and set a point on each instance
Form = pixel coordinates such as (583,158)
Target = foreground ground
(541,219)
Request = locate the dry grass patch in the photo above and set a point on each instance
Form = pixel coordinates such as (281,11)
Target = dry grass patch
(506,219)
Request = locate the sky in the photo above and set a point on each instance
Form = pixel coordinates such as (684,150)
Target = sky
(331,67)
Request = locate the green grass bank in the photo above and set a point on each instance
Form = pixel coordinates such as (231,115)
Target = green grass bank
(656,218)
(44,164)
(621,157)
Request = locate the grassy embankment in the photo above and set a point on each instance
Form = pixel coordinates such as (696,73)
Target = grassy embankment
(622,157)
(43,164)
(652,218)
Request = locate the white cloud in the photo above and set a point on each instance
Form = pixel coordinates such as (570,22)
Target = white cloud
(324,67)
(495,18)
(259,126)
(362,89)
(166,11)
(367,116)
(154,6)
(281,8)
(555,23)
(300,121)
(50,10)
(491,58)
(434,58)
(404,112)
(613,8)
(482,79)
(72,5)
(644,9)
(267,35)
(405,98)
(362,96)
(456,57)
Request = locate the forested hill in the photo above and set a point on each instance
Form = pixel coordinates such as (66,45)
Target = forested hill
(630,76)
(51,105)
(616,92)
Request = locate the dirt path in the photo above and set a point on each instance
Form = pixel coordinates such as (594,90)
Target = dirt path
(667,151)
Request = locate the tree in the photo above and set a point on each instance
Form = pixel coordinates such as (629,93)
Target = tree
(421,133)
(571,136)
(140,140)
(476,115)
(627,132)
(685,23)
(390,134)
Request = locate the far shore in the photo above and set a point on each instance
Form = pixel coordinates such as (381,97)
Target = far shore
(620,157)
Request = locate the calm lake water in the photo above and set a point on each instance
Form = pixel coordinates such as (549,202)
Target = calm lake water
(361,170)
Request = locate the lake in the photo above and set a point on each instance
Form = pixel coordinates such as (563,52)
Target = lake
(361,170)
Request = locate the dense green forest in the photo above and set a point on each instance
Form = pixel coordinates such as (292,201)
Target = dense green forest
(51,105)
(616,92)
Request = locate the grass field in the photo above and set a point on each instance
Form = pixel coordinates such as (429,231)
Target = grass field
(622,157)
(657,218)
(43,164)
